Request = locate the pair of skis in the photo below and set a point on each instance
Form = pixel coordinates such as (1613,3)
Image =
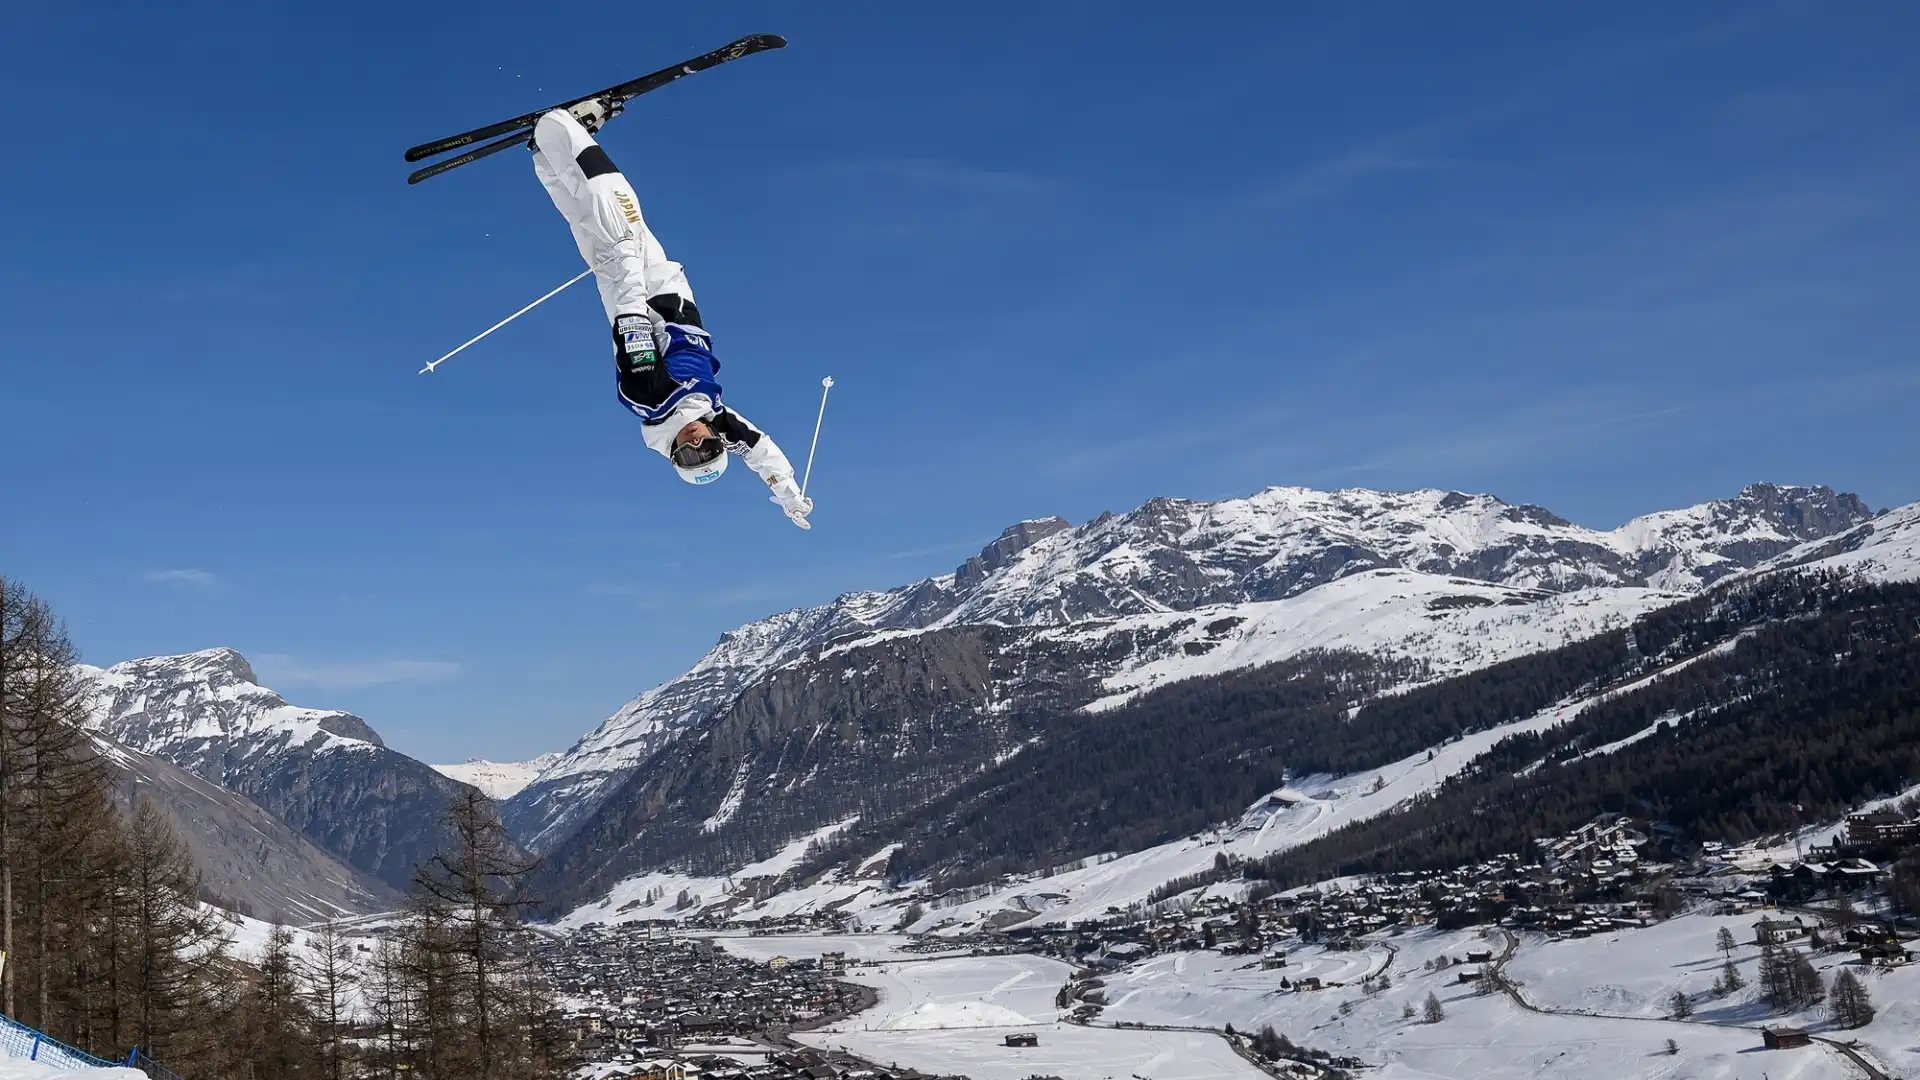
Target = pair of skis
(520,129)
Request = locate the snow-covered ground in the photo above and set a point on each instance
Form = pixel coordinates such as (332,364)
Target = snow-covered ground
(947,1016)
(1484,1037)
(1633,973)
(952,1015)
(21,1058)
(497,780)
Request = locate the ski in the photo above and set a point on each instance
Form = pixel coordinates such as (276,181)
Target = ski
(615,96)
(519,138)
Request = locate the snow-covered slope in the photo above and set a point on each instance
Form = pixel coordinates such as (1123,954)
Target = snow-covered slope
(322,771)
(498,779)
(1173,555)
(1887,548)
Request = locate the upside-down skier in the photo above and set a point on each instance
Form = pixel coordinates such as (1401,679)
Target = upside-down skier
(664,367)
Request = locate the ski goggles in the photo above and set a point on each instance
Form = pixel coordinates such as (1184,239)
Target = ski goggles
(697,453)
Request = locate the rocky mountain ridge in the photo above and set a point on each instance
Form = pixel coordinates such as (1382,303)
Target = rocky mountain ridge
(1174,555)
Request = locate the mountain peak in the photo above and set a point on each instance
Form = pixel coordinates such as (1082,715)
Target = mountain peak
(1012,540)
(221,665)
(1805,512)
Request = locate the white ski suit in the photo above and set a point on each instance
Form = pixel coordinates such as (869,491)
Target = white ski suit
(664,366)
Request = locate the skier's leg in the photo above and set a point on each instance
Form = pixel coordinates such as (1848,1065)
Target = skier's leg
(603,212)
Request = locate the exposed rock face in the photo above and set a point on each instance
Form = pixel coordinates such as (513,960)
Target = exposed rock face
(250,860)
(1172,555)
(325,773)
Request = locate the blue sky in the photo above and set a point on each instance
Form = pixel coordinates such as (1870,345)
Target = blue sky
(1607,258)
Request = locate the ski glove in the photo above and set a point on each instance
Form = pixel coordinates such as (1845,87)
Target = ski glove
(788,498)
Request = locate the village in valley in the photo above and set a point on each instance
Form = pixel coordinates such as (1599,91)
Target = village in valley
(652,1000)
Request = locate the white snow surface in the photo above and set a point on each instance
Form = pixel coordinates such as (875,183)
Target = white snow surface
(953,1015)
(497,780)
(1173,555)
(1488,1038)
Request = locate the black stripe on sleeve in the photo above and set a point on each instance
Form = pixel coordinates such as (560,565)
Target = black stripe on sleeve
(595,162)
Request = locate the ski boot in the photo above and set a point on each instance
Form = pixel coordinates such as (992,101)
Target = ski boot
(593,113)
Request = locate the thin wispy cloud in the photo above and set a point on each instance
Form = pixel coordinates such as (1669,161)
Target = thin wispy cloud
(947,174)
(202,579)
(1540,431)
(282,670)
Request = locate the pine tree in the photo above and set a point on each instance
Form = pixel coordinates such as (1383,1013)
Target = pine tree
(1851,1006)
(1730,977)
(1724,942)
(272,1017)
(1680,1005)
(331,976)
(479,999)
(1433,1013)
(1804,981)
(172,949)
(1776,978)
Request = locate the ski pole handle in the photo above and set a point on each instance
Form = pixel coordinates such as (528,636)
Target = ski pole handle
(826,384)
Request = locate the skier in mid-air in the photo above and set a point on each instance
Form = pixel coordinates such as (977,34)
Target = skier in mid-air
(664,365)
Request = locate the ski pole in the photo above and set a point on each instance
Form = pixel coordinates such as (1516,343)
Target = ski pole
(507,320)
(826,384)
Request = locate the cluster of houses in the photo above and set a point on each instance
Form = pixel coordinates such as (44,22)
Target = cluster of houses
(1611,874)
(1592,880)
(635,990)
(758,1062)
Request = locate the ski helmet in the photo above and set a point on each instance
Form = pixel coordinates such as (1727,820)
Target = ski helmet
(701,461)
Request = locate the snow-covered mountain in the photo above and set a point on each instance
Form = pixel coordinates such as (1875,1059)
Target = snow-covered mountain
(1173,556)
(324,772)
(498,779)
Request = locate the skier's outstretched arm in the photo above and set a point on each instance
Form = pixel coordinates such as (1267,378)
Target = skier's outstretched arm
(761,454)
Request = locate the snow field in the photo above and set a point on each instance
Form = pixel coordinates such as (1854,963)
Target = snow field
(953,1015)
(1633,973)
(1486,1038)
